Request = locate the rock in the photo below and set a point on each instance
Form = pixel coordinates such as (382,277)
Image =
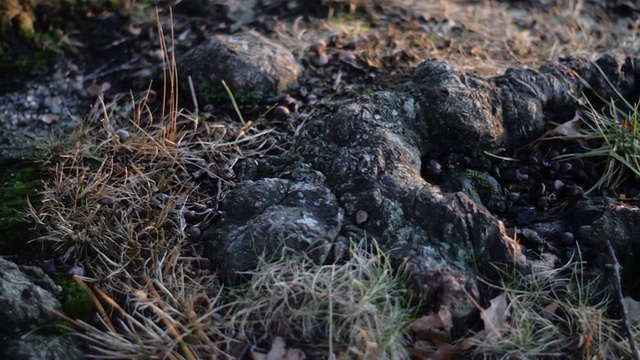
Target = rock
(499,113)
(253,67)
(264,216)
(25,294)
(476,184)
(368,153)
(37,347)
(507,111)
(22,291)
(618,224)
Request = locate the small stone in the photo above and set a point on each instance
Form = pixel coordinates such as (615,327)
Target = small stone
(190,216)
(312,99)
(201,263)
(567,238)
(557,185)
(320,60)
(287,100)
(49,118)
(96,90)
(49,267)
(513,196)
(194,233)
(361,216)
(281,112)
(77,271)
(123,134)
(433,169)
(573,191)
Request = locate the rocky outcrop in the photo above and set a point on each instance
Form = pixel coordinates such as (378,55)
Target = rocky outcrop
(363,159)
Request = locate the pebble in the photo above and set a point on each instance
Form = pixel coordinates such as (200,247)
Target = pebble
(281,112)
(319,60)
(77,271)
(122,134)
(194,233)
(361,217)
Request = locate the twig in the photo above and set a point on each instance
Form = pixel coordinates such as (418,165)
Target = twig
(625,316)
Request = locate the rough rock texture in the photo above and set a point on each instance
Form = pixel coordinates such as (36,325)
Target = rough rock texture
(37,347)
(253,67)
(266,215)
(618,223)
(466,113)
(368,153)
(23,292)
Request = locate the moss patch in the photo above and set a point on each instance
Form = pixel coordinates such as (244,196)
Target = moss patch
(481,183)
(17,184)
(76,301)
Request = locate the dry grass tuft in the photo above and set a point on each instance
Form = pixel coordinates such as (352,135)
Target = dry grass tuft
(550,314)
(358,309)
(127,186)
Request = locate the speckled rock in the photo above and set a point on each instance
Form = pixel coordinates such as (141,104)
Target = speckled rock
(368,154)
(269,215)
(26,293)
(253,67)
(22,291)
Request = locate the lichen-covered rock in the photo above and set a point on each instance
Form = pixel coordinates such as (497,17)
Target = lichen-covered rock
(266,216)
(368,154)
(618,223)
(26,297)
(253,67)
(23,292)
(36,346)
(465,113)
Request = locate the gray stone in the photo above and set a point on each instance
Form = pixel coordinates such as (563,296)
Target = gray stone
(618,223)
(253,67)
(23,292)
(27,296)
(469,114)
(269,215)
(36,346)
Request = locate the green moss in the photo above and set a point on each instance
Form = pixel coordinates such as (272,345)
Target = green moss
(16,186)
(209,92)
(480,183)
(76,301)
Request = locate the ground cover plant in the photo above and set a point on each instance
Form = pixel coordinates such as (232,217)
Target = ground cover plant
(134,185)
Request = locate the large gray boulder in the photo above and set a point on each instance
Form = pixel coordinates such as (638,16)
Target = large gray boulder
(365,157)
